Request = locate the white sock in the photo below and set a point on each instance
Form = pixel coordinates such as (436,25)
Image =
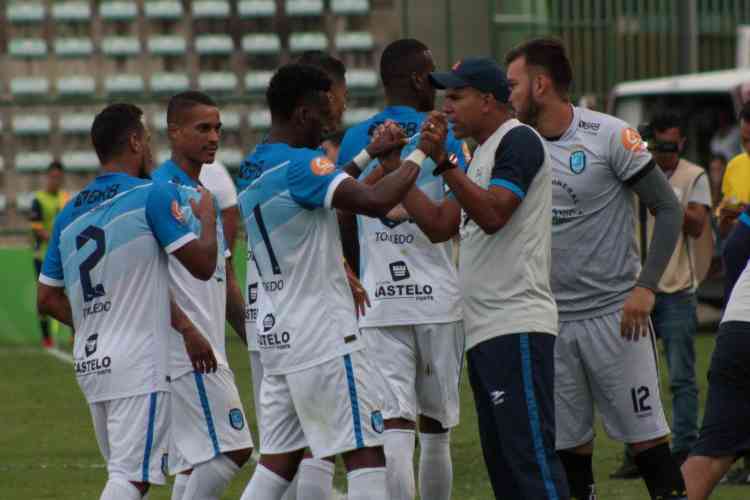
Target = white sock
(209,479)
(120,489)
(314,479)
(265,485)
(178,488)
(399,460)
(367,484)
(435,466)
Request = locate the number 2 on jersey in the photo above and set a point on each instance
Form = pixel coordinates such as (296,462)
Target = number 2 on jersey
(266,240)
(95,234)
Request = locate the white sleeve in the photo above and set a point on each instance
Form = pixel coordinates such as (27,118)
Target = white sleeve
(217,180)
(701,192)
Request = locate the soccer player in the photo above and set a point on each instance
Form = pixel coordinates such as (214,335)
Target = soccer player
(724,434)
(319,389)
(501,208)
(105,273)
(413,330)
(605,353)
(46,205)
(210,440)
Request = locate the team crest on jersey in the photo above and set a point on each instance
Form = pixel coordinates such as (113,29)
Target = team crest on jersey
(236,419)
(268,322)
(577,161)
(378,425)
(177,212)
(322,166)
(631,140)
(91,344)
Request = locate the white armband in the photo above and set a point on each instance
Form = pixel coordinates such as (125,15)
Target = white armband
(416,156)
(362,159)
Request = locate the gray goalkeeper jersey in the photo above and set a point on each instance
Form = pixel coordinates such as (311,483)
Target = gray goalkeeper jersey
(594,256)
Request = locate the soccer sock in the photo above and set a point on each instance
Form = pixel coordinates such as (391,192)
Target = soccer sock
(315,479)
(435,466)
(399,456)
(120,489)
(661,473)
(178,488)
(580,473)
(367,484)
(265,485)
(209,479)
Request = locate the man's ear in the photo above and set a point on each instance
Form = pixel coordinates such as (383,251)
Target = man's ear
(135,143)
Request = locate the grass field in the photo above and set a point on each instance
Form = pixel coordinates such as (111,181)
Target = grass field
(47,445)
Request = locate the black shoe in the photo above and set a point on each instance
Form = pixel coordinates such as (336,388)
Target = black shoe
(628,470)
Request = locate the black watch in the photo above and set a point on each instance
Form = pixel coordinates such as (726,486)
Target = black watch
(445,165)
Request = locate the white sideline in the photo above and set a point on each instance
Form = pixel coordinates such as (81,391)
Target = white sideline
(67,358)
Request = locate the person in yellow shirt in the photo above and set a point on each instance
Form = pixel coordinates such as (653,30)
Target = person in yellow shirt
(47,203)
(735,188)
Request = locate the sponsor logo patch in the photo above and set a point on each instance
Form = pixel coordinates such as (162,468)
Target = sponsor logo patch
(378,424)
(91,344)
(631,140)
(177,212)
(236,419)
(268,322)
(399,270)
(322,166)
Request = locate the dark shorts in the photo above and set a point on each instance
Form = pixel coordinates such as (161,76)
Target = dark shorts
(726,423)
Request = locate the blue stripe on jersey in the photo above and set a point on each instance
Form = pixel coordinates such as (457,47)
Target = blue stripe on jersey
(745,219)
(355,402)
(509,186)
(207,412)
(149,438)
(534,420)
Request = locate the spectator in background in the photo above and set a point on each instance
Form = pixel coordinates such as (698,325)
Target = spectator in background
(726,140)
(217,180)
(735,187)
(332,144)
(716,169)
(47,203)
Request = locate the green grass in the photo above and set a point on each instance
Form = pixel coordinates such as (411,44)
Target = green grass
(47,445)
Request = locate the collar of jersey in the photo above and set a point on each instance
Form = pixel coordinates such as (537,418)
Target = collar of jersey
(573,123)
(108,176)
(175,171)
(399,109)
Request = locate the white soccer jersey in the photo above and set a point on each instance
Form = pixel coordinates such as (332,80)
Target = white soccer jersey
(106,251)
(204,302)
(306,312)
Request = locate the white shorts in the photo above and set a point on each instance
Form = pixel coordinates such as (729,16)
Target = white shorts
(421,365)
(594,364)
(256,373)
(132,436)
(207,419)
(331,408)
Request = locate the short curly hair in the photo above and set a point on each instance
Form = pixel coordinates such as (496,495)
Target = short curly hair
(293,85)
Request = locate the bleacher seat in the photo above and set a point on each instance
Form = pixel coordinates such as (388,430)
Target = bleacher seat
(33,161)
(261,43)
(71,12)
(349,7)
(121,46)
(27,124)
(304,7)
(167,45)
(221,82)
(260,119)
(248,9)
(230,157)
(73,47)
(29,86)
(118,11)
(230,121)
(159,121)
(354,40)
(169,83)
(124,84)
(21,12)
(80,161)
(361,79)
(76,123)
(164,10)
(211,9)
(27,47)
(72,86)
(24,201)
(257,81)
(214,44)
(356,115)
(299,42)
(3,200)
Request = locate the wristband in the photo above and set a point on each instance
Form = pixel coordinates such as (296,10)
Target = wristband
(362,159)
(416,156)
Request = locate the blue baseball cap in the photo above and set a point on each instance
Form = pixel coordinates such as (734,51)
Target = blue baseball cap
(481,73)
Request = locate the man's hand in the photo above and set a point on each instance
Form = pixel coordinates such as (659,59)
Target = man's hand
(636,313)
(432,136)
(204,210)
(199,351)
(388,138)
(361,299)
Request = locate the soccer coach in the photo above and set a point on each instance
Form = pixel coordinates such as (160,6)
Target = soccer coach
(502,207)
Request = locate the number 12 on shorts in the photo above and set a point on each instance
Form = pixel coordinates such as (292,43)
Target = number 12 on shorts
(639,395)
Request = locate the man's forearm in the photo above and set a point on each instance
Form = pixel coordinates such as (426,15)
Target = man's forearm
(58,307)
(435,220)
(235,304)
(178,319)
(476,201)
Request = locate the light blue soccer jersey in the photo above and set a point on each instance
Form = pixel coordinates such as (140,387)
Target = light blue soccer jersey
(106,250)
(204,302)
(306,313)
